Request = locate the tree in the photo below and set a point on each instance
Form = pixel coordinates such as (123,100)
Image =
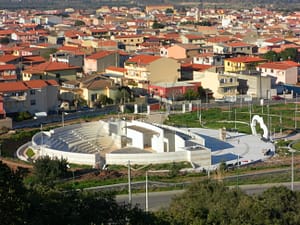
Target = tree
(78,23)
(271,56)
(191,95)
(157,25)
(169,11)
(102,100)
(289,54)
(47,170)
(4,41)
(12,196)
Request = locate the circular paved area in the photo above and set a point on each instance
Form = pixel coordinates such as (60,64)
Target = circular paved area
(248,148)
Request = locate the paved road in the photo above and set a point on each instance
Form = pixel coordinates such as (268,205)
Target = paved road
(158,200)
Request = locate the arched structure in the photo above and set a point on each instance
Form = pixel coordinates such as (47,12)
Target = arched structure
(260,120)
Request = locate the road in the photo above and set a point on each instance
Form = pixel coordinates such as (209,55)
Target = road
(158,200)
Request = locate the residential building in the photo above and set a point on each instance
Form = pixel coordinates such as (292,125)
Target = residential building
(128,42)
(209,59)
(89,89)
(172,91)
(58,71)
(243,63)
(99,61)
(180,51)
(146,69)
(222,85)
(283,72)
(31,96)
(8,73)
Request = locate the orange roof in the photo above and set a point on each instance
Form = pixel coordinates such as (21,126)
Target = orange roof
(194,37)
(34,84)
(117,69)
(219,39)
(7,67)
(8,58)
(283,65)
(50,66)
(52,82)
(33,58)
(246,59)
(197,67)
(6,32)
(274,40)
(99,55)
(143,59)
(13,86)
(237,44)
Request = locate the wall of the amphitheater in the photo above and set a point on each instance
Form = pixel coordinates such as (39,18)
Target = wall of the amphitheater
(201,157)
(71,157)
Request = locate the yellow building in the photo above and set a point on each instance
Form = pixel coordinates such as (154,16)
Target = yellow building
(244,63)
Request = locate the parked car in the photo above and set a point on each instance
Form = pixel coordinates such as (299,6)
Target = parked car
(276,97)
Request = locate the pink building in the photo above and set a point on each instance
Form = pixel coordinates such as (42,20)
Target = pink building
(171,90)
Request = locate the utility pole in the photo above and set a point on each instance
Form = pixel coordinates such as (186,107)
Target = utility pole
(129,184)
(235,119)
(147,194)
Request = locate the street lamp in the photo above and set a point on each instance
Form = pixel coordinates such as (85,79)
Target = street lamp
(147,193)
(63,118)
(129,184)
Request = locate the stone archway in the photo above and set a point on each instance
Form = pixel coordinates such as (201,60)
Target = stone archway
(260,120)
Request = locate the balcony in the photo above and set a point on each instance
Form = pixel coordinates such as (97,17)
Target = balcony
(15,98)
(229,84)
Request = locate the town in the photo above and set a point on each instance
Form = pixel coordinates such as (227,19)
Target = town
(152,72)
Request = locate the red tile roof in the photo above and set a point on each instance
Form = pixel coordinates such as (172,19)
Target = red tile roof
(274,40)
(35,84)
(35,58)
(237,44)
(6,32)
(52,82)
(117,69)
(246,59)
(50,66)
(143,59)
(99,55)
(283,65)
(7,67)
(8,58)
(195,67)
(13,86)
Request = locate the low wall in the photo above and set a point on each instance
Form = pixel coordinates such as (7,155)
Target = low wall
(146,158)
(72,157)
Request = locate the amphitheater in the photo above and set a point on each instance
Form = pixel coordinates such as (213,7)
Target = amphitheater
(118,141)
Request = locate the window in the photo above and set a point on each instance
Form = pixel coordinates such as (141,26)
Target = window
(32,102)
(234,49)
(32,92)
(131,40)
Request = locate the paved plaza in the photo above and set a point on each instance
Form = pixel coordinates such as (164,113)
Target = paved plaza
(238,146)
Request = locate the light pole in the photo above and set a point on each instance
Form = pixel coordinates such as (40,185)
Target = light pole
(42,138)
(147,194)
(235,119)
(292,167)
(63,118)
(200,114)
(238,170)
(129,184)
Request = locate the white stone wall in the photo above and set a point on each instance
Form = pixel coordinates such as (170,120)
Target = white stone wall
(71,157)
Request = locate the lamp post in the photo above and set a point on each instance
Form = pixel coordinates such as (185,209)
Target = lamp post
(129,184)
(63,118)
(292,169)
(147,194)
(238,170)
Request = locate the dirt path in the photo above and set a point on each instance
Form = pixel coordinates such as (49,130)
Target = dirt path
(14,165)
